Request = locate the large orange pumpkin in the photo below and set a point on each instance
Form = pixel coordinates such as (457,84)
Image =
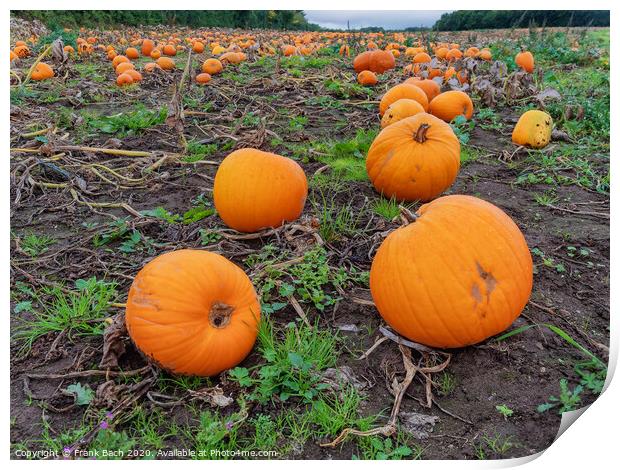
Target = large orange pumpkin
(255,190)
(376,61)
(212,66)
(416,158)
(404,90)
(147,47)
(451,104)
(193,312)
(460,273)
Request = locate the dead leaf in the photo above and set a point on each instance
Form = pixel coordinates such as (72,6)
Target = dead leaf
(114,341)
(417,424)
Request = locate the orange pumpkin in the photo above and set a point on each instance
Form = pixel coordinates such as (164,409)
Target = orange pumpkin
(451,104)
(124,79)
(212,66)
(118,59)
(132,53)
(255,190)
(400,109)
(135,75)
(416,158)
(198,47)
(430,87)
(150,66)
(203,78)
(421,58)
(193,312)
(525,60)
(166,63)
(485,54)
(123,67)
(232,57)
(460,273)
(366,77)
(376,61)
(42,71)
(404,90)
(22,51)
(169,50)
(155,54)
(453,54)
(147,47)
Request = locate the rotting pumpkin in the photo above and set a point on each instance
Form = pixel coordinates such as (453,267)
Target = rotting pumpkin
(193,312)
(460,273)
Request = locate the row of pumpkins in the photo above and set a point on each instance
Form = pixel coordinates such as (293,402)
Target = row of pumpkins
(460,273)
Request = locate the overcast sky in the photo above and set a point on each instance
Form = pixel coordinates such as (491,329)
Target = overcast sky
(337,19)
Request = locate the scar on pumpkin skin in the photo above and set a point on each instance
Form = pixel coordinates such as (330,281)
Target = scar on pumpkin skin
(488,279)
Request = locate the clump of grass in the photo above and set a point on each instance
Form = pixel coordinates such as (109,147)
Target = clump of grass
(80,311)
(127,123)
(386,208)
(35,245)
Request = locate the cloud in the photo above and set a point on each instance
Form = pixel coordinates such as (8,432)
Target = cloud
(388,19)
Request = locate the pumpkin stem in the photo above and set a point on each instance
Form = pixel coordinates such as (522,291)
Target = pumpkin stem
(407,214)
(220,313)
(420,135)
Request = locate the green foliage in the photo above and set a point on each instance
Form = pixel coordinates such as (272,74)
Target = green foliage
(568,400)
(35,245)
(111,445)
(386,208)
(493,19)
(83,394)
(127,123)
(379,448)
(504,411)
(80,311)
(291,365)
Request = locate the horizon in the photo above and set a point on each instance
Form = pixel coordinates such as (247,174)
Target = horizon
(386,19)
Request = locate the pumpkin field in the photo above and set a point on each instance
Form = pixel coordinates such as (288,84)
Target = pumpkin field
(264,244)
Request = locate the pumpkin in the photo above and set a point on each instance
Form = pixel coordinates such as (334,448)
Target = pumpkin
(460,273)
(151,66)
(376,61)
(147,47)
(472,52)
(404,90)
(123,67)
(193,312)
(169,50)
(124,79)
(416,158)
(203,78)
(198,47)
(525,60)
(13,56)
(118,59)
(69,49)
(421,58)
(533,129)
(366,77)
(289,50)
(453,54)
(212,66)
(132,53)
(22,51)
(135,75)
(450,104)
(441,52)
(430,87)
(155,54)
(42,71)
(344,50)
(400,109)
(232,57)
(485,54)
(166,63)
(255,190)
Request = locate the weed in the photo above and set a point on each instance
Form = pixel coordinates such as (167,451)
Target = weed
(504,411)
(35,245)
(386,208)
(568,400)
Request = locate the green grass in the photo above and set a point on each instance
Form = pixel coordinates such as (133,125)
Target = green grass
(336,222)
(386,208)
(78,312)
(291,364)
(128,122)
(35,245)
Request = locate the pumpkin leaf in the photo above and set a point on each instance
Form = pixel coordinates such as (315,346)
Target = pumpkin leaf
(83,394)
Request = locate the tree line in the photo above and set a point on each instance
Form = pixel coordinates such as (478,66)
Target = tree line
(490,19)
(265,19)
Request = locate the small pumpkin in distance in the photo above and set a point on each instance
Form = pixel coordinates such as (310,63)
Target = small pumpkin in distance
(399,110)
(193,312)
(533,129)
(404,90)
(416,158)
(525,60)
(254,190)
(366,77)
(459,274)
(203,78)
(132,53)
(212,66)
(376,61)
(450,104)
(155,54)
(42,71)
(166,63)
